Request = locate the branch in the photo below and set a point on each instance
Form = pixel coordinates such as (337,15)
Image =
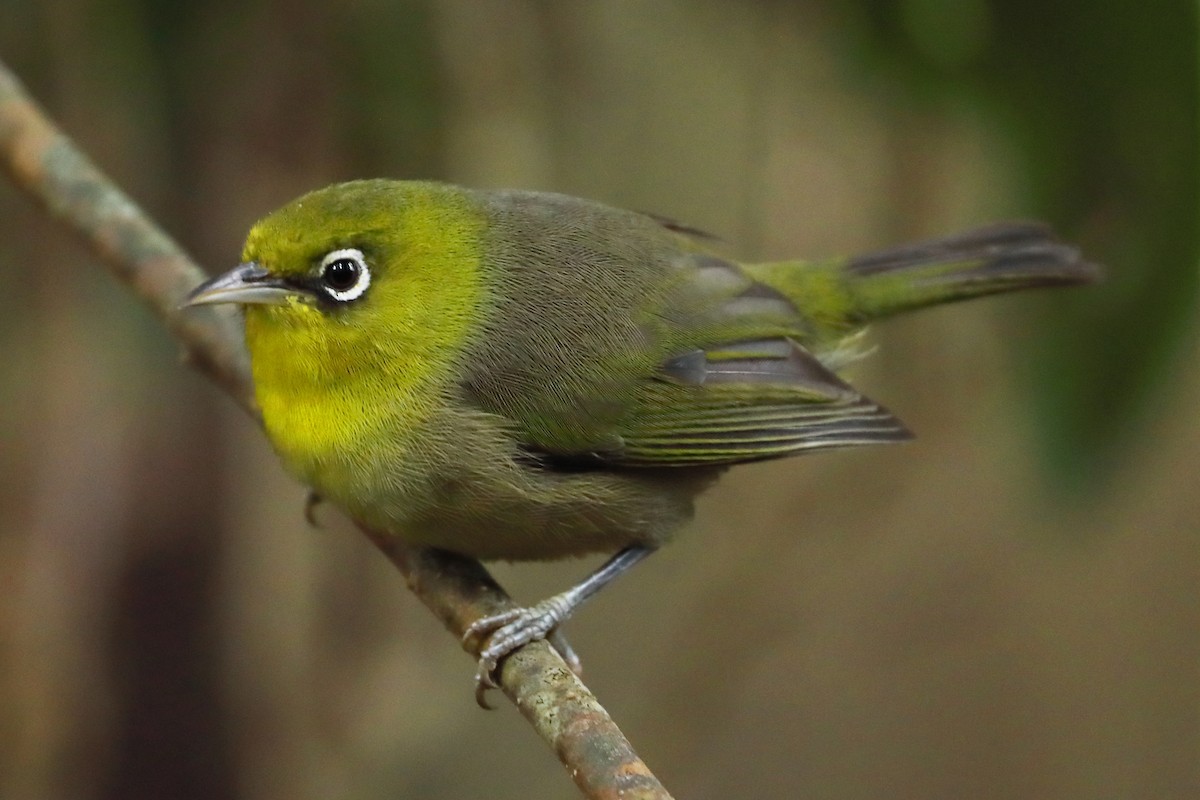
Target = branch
(47,165)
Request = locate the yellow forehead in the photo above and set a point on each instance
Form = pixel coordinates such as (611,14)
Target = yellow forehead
(423,243)
(387,217)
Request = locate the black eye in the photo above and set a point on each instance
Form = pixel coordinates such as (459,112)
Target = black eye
(340,274)
(344,274)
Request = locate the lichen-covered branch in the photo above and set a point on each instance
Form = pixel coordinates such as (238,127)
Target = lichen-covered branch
(47,165)
(561,709)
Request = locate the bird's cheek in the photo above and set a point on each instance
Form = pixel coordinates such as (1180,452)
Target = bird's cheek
(294,312)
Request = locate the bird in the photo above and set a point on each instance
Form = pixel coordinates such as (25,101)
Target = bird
(523,375)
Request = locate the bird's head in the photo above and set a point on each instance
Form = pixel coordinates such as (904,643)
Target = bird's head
(364,274)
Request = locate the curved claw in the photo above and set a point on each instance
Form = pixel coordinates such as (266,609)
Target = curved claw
(483,682)
(511,630)
(508,632)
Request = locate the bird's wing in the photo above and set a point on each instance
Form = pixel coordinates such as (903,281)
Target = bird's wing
(748,401)
(619,340)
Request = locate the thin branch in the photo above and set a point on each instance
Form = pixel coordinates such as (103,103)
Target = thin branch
(47,165)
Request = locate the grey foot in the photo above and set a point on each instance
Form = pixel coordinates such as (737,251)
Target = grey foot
(510,631)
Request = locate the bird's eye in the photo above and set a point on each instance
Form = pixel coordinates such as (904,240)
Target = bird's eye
(344,274)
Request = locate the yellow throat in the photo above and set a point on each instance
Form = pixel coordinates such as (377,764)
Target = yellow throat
(352,384)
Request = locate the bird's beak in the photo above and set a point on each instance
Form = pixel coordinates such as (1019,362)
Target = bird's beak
(244,284)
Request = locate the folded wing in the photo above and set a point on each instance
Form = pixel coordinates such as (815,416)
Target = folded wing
(748,401)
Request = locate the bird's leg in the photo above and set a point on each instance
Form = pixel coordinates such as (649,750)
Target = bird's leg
(564,649)
(513,629)
(310,508)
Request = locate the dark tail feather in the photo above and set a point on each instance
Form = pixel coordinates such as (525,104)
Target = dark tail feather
(998,258)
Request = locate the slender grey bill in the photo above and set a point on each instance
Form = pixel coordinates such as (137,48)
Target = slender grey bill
(245,283)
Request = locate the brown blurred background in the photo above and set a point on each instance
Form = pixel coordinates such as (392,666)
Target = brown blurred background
(1005,608)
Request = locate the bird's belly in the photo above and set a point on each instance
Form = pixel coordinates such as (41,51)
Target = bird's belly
(457,482)
(517,513)
(491,515)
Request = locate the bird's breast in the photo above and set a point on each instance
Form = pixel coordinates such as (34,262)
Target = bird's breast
(341,422)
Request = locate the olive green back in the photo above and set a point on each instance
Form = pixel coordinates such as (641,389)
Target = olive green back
(616,339)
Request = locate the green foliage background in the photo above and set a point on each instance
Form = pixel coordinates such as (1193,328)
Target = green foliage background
(1101,105)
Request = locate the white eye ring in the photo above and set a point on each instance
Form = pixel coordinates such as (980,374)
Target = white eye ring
(360,274)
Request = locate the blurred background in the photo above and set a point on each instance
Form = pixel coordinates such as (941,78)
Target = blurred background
(1005,608)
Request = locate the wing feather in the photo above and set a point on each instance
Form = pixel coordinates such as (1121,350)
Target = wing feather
(750,401)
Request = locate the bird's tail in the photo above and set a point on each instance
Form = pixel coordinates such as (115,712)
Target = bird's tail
(997,258)
(839,296)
